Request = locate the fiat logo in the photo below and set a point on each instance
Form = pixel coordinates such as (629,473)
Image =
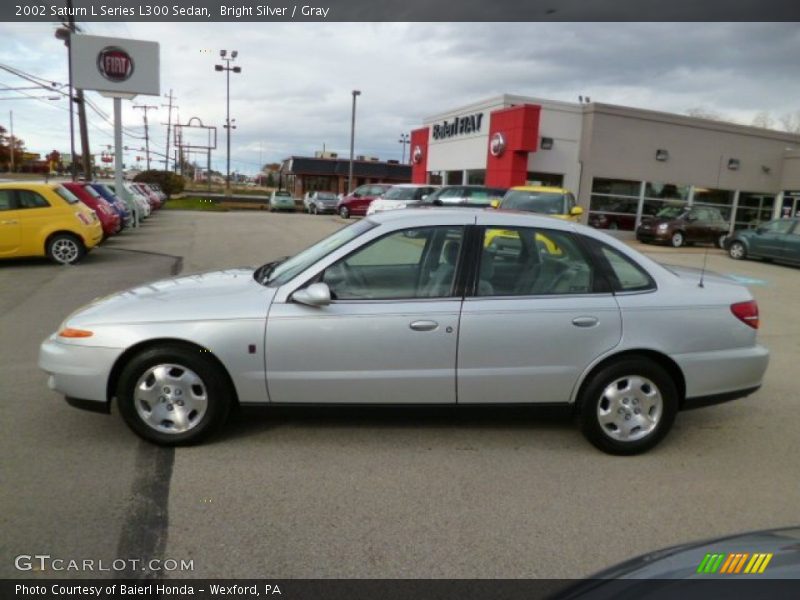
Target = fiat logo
(416,155)
(498,144)
(114,64)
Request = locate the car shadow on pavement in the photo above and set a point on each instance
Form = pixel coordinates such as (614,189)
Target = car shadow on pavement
(256,420)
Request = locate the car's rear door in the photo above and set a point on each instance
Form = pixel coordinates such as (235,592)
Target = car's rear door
(10,227)
(539,314)
(771,238)
(791,247)
(388,336)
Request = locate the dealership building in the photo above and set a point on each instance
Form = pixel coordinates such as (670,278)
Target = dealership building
(327,172)
(622,163)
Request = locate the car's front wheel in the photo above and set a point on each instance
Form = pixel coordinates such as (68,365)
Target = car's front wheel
(678,239)
(65,249)
(628,406)
(344,212)
(737,250)
(173,395)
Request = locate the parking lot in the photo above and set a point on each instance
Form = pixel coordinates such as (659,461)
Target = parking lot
(369,492)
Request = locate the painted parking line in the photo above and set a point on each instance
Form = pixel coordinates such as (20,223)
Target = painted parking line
(745,280)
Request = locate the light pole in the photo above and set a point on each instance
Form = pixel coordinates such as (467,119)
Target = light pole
(352,142)
(228,68)
(403,140)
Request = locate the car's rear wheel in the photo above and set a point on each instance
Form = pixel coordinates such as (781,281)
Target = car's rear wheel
(173,395)
(65,249)
(737,251)
(678,239)
(628,406)
(344,212)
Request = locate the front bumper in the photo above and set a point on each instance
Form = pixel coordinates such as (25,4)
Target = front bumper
(78,371)
(653,235)
(721,375)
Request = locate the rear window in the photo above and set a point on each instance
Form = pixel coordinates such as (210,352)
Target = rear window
(282,194)
(547,203)
(630,276)
(68,196)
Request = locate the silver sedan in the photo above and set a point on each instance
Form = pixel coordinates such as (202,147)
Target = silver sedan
(421,307)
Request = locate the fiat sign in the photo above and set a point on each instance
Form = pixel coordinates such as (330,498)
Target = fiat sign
(115,66)
(114,63)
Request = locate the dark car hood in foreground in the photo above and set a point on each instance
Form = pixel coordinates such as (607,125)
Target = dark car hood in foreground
(673,572)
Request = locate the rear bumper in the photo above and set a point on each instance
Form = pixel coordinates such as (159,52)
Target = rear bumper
(78,371)
(722,375)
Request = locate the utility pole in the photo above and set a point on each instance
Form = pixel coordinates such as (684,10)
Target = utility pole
(79,100)
(11,139)
(169,107)
(228,123)
(352,142)
(145,108)
(404,139)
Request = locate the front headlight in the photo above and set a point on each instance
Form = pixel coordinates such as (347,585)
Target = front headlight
(663,226)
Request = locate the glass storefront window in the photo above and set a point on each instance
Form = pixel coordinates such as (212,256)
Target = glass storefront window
(435,177)
(613,203)
(476,177)
(722,200)
(455,177)
(545,179)
(791,204)
(666,191)
(753,210)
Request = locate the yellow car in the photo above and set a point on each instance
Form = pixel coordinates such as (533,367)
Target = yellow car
(550,201)
(507,240)
(39,219)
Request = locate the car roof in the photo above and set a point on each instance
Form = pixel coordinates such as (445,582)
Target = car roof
(27,185)
(490,217)
(539,188)
(415,185)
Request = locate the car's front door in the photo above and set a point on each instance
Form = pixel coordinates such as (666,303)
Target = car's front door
(389,335)
(10,228)
(791,247)
(771,238)
(540,314)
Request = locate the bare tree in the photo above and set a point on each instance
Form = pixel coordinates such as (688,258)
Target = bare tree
(704,113)
(764,120)
(791,122)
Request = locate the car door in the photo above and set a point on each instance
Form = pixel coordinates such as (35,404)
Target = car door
(770,239)
(538,316)
(390,333)
(696,226)
(791,246)
(10,227)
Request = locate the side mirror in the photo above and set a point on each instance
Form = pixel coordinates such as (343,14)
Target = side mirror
(576,211)
(424,196)
(495,203)
(317,294)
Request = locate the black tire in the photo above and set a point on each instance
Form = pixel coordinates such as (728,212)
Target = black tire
(215,386)
(721,240)
(593,400)
(344,212)
(677,239)
(737,250)
(65,249)
(314,210)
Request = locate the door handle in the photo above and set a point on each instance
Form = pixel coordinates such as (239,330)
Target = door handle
(585,321)
(423,325)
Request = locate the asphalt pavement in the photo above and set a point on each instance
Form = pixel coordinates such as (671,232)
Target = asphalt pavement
(367,492)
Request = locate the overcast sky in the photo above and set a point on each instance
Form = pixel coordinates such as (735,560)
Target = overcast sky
(294,93)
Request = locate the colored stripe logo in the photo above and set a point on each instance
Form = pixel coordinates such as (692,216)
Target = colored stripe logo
(734,563)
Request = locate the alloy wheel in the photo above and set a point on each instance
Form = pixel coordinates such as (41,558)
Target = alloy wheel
(65,250)
(170,398)
(630,408)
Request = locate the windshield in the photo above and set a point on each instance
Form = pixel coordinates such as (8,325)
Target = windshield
(282,194)
(91,191)
(284,271)
(671,212)
(400,193)
(66,194)
(547,203)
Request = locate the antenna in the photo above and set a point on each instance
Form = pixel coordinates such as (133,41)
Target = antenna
(703,271)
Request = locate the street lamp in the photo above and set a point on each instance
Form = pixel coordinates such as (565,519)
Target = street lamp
(352,142)
(223,54)
(404,139)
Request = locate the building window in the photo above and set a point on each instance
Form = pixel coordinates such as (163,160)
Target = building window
(657,195)
(722,200)
(455,177)
(321,183)
(476,177)
(753,209)
(435,177)
(546,179)
(614,203)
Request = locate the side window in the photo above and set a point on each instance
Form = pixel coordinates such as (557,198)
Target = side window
(5,199)
(630,276)
(412,263)
(451,194)
(529,262)
(376,190)
(781,226)
(29,199)
(477,197)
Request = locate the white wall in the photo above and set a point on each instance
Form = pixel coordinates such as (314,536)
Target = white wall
(563,123)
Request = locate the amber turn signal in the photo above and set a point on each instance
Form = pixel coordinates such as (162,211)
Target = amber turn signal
(75,333)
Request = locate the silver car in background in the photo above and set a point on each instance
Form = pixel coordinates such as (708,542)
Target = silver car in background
(421,306)
(400,196)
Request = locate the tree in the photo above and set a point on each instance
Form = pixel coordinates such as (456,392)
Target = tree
(705,113)
(6,150)
(170,183)
(791,122)
(764,120)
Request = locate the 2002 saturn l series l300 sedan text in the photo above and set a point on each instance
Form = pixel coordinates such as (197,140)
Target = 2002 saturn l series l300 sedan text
(421,306)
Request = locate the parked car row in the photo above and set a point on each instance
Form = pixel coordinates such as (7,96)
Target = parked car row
(64,221)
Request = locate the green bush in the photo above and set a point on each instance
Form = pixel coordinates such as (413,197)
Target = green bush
(170,183)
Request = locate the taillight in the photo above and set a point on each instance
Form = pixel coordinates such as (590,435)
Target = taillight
(746,312)
(83,218)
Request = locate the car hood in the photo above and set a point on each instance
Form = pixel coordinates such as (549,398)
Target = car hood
(228,294)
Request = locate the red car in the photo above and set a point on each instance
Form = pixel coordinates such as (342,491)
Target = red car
(357,203)
(152,197)
(109,218)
